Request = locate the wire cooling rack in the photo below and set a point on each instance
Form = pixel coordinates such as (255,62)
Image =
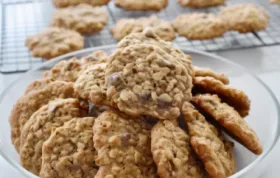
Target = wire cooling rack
(21,18)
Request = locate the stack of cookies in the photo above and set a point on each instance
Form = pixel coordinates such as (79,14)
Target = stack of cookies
(117,115)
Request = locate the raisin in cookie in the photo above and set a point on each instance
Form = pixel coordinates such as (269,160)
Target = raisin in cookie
(204,72)
(38,129)
(230,120)
(123,145)
(199,26)
(245,17)
(142,5)
(65,3)
(162,28)
(69,152)
(209,144)
(234,97)
(201,3)
(83,18)
(31,102)
(54,42)
(172,153)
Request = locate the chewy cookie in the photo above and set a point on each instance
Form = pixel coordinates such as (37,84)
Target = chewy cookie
(69,152)
(31,102)
(54,42)
(201,3)
(38,129)
(230,120)
(172,153)
(204,72)
(234,97)
(245,17)
(83,18)
(142,5)
(199,26)
(65,3)
(162,28)
(123,146)
(209,144)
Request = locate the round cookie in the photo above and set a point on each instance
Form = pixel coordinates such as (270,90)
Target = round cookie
(143,79)
(201,3)
(245,17)
(38,129)
(82,18)
(230,120)
(204,72)
(30,103)
(142,5)
(69,151)
(65,3)
(199,26)
(162,28)
(123,144)
(172,152)
(54,42)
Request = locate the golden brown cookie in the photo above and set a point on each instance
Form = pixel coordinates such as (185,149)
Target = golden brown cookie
(234,97)
(230,120)
(199,26)
(69,152)
(162,28)
(83,18)
(38,129)
(245,17)
(38,85)
(142,5)
(205,72)
(123,144)
(54,42)
(172,152)
(201,3)
(65,3)
(209,144)
(31,102)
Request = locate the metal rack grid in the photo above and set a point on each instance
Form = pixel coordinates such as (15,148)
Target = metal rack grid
(21,18)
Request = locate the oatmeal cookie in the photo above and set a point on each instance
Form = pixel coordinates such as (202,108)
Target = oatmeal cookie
(123,146)
(230,120)
(143,79)
(31,102)
(38,85)
(172,153)
(142,5)
(234,97)
(54,42)
(126,26)
(204,72)
(69,152)
(38,129)
(209,144)
(199,26)
(83,18)
(201,3)
(245,17)
(66,3)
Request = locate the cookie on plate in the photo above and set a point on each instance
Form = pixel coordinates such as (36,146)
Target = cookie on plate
(82,18)
(201,3)
(38,129)
(30,103)
(38,85)
(142,5)
(209,144)
(64,3)
(234,97)
(172,152)
(245,17)
(199,26)
(69,151)
(205,72)
(54,42)
(162,28)
(123,145)
(230,120)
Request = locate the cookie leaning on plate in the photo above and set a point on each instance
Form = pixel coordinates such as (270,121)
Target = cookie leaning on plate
(65,3)
(201,3)
(142,5)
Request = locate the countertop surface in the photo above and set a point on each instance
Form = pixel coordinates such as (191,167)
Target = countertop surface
(263,61)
